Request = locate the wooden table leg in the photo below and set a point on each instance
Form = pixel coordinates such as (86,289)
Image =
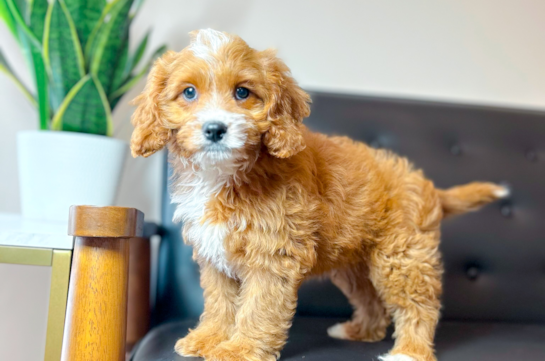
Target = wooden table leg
(96,317)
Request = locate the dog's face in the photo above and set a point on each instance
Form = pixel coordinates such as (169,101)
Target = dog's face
(219,100)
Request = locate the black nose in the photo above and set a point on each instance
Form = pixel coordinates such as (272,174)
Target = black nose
(214,131)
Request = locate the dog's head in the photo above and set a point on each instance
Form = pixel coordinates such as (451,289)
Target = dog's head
(218,100)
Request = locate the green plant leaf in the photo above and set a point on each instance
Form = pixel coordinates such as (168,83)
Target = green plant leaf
(23,9)
(8,18)
(22,27)
(135,58)
(36,15)
(116,96)
(135,8)
(85,15)
(136,78)
(85,109)
(35,59)
(62,52)
(32,48)
(5,68)
(119,76)
(106,45)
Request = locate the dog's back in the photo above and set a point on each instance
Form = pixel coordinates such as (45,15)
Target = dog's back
(403,186)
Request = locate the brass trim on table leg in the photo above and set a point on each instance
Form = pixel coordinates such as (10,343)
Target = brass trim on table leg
(26,256)
(60,274)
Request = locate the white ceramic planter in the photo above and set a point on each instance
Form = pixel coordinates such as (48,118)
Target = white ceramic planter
(60,169)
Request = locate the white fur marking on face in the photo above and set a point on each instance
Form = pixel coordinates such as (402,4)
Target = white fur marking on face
(236,123)
(396,357)
(337,331)
(207,43)
(192,195)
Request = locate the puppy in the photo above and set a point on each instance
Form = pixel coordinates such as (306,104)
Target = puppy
(266,203)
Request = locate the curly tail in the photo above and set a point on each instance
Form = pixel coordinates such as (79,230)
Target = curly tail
(470,197)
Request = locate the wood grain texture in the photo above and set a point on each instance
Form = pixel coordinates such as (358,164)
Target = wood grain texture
(138,312)
(95,328)
(89,221)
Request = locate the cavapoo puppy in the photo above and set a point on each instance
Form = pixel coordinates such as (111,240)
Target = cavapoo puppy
(266,203)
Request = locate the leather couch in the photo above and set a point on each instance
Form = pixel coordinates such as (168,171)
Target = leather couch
(494,284)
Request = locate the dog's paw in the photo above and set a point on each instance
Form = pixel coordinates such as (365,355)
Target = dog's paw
(188,347)
(396,357)
(198,343)
(349,331)
(234,351)
(337,331)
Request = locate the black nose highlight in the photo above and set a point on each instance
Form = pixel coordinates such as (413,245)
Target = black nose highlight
(214,131)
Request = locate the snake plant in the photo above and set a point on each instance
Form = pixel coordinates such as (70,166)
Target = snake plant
(78,54)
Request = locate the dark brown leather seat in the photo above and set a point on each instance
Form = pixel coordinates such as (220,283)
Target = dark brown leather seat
(494,297)
(308,341)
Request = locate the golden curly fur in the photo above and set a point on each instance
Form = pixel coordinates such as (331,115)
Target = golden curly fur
(273,204)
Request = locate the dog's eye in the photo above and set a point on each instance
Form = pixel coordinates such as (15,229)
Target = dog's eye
(242,93)
(190,93)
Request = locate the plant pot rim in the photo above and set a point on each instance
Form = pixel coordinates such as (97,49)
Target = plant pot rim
(59,133)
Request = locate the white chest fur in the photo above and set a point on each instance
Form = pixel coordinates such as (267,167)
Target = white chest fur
(207,238)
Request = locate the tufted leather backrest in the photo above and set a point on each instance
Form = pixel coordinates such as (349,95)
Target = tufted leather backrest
(494,259)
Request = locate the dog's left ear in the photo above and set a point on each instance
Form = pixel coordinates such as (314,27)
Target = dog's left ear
(287,106)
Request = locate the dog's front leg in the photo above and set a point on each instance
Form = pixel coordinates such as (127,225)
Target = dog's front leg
(217,321)
(266,302)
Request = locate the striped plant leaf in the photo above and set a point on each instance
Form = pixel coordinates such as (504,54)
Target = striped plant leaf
(36,61)
(85,109)
(36,17)
(6,69)
(106,45)
(23,9)
(20,5)
(135,58)
(32,49)
(135,8)
(85,15)
(133,80)
(119,76)
(62,52)
(21,25)
(8,18)
(52,35)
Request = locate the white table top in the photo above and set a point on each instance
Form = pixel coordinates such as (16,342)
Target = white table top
(19,232)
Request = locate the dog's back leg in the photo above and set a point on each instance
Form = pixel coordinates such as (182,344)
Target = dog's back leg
(370,319)
(406,271)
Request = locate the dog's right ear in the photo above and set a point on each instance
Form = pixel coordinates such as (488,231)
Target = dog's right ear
(150,134)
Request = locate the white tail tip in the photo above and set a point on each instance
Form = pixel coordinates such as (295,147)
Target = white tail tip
(503,192)
(396,357)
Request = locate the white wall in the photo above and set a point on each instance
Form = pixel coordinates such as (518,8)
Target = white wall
(472,51)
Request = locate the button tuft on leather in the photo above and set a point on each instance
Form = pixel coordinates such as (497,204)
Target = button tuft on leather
(374,143)
(531,155)
(506,210)
(455,150)
(473,272)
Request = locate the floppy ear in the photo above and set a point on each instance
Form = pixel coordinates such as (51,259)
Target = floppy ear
(150,134)
(287,106)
